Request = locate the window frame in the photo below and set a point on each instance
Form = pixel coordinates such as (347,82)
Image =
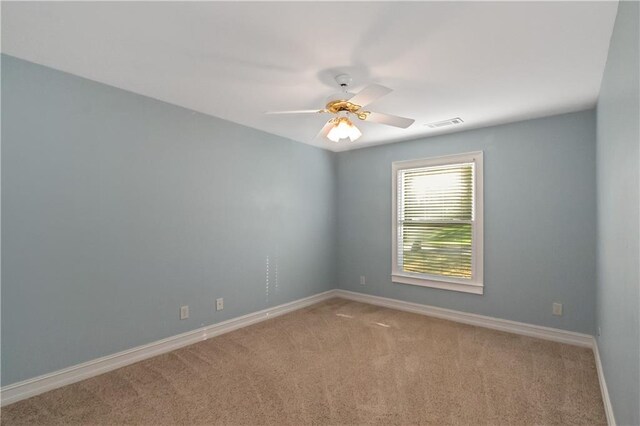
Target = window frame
(474,285)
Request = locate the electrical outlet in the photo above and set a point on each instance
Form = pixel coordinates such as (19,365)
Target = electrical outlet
(557,308)
(184,312)
(219,304)
(599,331)
(363,280)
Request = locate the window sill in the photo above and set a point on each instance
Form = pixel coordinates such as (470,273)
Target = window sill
(443,285)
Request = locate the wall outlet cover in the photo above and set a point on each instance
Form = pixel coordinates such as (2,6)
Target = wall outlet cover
(184,312)
(557,308)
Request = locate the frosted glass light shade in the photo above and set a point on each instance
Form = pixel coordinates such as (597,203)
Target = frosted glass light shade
(343,129)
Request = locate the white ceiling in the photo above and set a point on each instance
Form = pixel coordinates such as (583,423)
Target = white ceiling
(487,63)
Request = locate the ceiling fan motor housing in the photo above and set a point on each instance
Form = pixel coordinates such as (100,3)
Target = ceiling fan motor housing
(341,105)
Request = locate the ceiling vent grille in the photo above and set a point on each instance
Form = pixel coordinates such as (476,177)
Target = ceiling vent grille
(444,123)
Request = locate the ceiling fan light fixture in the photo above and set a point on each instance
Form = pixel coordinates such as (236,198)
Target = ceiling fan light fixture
(355,133)
(344,105)
(343,128)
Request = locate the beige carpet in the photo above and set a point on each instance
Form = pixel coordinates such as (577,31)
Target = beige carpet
(339,362)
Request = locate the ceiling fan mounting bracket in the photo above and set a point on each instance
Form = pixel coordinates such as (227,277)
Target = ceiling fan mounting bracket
(344,80)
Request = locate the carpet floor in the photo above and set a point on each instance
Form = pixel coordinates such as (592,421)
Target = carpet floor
(339,362)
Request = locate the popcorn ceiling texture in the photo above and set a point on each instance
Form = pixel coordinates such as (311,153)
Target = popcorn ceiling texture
(339,362)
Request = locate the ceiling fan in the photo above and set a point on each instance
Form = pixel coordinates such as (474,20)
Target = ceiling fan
(345,104)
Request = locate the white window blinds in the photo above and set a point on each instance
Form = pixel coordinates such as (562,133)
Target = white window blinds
(435,220)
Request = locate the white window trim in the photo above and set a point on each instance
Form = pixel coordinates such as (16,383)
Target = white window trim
(475,285)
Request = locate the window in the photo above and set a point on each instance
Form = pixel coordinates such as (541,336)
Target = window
(437,222)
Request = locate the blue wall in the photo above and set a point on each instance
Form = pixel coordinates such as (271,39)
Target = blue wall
(117,209)
(618,159)
(539,220)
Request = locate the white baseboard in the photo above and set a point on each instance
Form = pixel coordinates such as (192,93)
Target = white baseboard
(547,333)
(608,408)
(37,385)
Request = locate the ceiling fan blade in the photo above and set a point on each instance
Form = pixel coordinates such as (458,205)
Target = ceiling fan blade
(325,131)
(369,94)
(300,111)
(390,120)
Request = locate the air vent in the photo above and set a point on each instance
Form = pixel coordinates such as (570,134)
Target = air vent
(444,123)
